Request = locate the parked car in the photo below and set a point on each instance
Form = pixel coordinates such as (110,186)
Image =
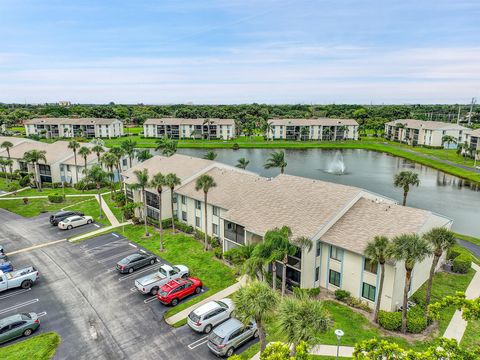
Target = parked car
(206,317)
(23,278)
(5,264)
(74,221)
(18,325)
(175,290)
(230,335)
(62,215)
(135,261)
(151,283)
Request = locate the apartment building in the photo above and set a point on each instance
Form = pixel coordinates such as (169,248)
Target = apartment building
(325,129)
(340,220)
(428,133)
(74,127)
(176,128)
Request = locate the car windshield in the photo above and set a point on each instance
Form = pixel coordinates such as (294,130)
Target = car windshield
(163,293)
(194,317)
(125,260)
(162,271)
(222,304)
(26,316)
(216,339)
(176,269)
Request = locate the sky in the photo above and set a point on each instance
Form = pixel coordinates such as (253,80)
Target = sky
(240,51)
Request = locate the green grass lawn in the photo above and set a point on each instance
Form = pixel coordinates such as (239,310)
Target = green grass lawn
(111,204)
(50,191)
(471,239)
(20,129)
(185,250)
(36,206)
(4,184)
(39,347)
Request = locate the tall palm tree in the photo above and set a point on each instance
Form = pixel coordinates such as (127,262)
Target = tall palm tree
(172,180)
(242,163)
(7,145)
(142,183)
(98,149)
(405,179)
(302,319)
(118,152)
(167,146)
(34,157)
(440,240)
(128,147)
(3,165)
(205,183)
(109,160)
(98,176)
(84,152)
(158,182)
(449,139)
(411,249)
(210,155)
(268,129)
(378,251)
(256,301)
(276,160)
(143,155)
(9,162)
(74,146)
(476,155)
(207,122)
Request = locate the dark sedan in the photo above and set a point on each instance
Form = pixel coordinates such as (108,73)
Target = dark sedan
(62,215)
(135,261)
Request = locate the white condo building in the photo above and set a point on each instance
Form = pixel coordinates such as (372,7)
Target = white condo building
(326,129)
(74,127)
(177,128)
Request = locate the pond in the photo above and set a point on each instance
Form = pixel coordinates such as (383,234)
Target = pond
(448,195)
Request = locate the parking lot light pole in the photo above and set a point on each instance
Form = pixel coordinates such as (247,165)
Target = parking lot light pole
(339,333)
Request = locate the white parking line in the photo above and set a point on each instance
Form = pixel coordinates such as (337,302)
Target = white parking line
(198,343)
(135,273)
(103,245)
(105,249)
(43,313)
(18,292)
(14,307)
(134,289)
(132,245)
(150,299)
(96,225)
(115,235)
(118,255)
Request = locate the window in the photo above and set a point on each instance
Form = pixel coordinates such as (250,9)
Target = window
(184,215)
(317,273)
(368,291)
(124,162)
(184,200)
(152,199)
(197,221)
(153,214)
(336,253)
(215,210)
(198,205)
(215,229)
(319,247)
(334,278)
(370,266)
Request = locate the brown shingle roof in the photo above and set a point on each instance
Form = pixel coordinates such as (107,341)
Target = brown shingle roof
(315,121)
(474,132)
(70,121)
(181,121)
(429,125)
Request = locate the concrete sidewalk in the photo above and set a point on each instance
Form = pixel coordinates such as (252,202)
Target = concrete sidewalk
(108,213)
(217,296)
(456,327)
(325,350)
(14,192)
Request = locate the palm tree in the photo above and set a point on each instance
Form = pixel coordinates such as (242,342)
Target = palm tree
(449,140)
(110,161)
(158,182)
(34,157)
(257,302)
(98,149)
(128,147)
(207,122)
(475,157)
(377,251)
(205,183)
(411,249)
(276,160)
(172,180)
(242,163)
(304,131)
(84,152)
(7,145)
(143,155)
(118,152)
(9,162)
(167,146)
(142,183)
(98,176)
(74,145)
(267,129)
(302,319)
(440,240)
(3,165)
(210,155)
(405,179)
(326,131)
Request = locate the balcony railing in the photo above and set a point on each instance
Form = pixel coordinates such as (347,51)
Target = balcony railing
(235,237)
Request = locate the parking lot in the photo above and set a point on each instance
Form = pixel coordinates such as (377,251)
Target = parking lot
(97,311)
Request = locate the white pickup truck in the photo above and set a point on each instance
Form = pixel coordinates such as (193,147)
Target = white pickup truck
(151,283)
(23,278)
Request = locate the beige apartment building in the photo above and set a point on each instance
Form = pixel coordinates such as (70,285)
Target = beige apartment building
(177,128)
(74,127)
(325,129)
(340,220)
(428,133)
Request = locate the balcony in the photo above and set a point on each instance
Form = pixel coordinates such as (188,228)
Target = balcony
(234,232)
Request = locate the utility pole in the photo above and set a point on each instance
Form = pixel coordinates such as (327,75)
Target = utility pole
(458,116)
(471,110)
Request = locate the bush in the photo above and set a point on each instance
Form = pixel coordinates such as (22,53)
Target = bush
(358,304)
(452,253)
(128,210)
(342,295)
(312,293)
(462,263)
(184,227)
(217,251)
(416,320)
(55,198)
(136,220)
(12,187)
(235,146)
(25,201)
(390,320)
(24,181)
(120,199)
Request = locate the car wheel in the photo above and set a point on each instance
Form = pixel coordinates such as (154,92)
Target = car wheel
(27,332)
(198,290)
(255,334)
(152,261)
(130,270)
(154,291)
(230,352)
(26,284)
(89,221)
(207,329)
(174,302)
(69,227)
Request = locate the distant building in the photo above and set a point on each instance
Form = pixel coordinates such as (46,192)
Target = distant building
(326,129)
(74,127)
(64,103)
(419,132)
(472,138)
(177,128)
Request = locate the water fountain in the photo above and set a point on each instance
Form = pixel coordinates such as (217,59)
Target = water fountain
(337,165)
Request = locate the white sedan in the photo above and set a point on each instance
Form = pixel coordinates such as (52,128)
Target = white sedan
(74,221)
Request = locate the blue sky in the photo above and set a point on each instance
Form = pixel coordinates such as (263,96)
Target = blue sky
(240,51)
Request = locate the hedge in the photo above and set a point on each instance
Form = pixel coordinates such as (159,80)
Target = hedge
(55,198)
(462,263)
(416,320)
(342,295)
(390,320)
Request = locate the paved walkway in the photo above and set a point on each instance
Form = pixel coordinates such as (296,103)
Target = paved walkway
(324,350)
(13,192)
(457,325)
(470,246)
(217,296)
(96,232)
(107,212)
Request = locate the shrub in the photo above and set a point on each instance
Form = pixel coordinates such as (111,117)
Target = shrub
(24,181)
(217,251)
(342,295)
(462,263)
(235,146)
(416,320)
(12,187)
(184,227)
(55,198)
(25,201)
(136,220)
(128,210)
(120,198)
(390,320)
(313,292)
(452,253)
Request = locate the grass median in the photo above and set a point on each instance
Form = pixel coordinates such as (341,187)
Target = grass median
(39,347)
(35,207)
